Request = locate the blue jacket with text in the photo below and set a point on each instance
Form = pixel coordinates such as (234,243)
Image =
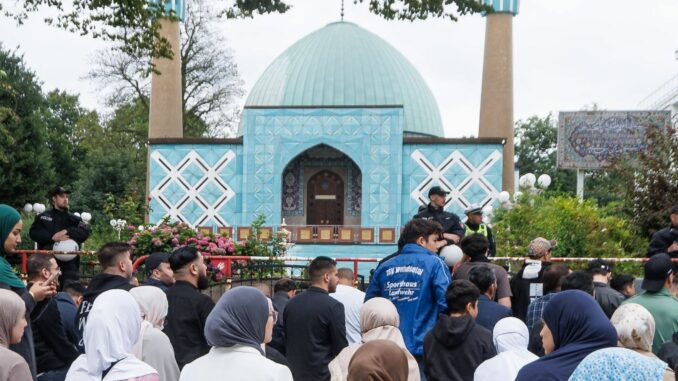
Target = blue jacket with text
(415,281)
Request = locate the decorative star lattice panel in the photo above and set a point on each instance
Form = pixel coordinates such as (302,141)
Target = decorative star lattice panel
(470,172)
(195,184)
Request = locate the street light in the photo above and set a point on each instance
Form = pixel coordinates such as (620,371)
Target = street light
(118,225)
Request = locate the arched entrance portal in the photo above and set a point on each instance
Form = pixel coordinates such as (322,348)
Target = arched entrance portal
(321,186)
(325,199)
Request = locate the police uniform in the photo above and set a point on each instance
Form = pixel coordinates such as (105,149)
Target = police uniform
(482,228)
(449,221)
(52,221)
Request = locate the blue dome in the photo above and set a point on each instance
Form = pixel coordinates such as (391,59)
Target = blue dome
(343,64)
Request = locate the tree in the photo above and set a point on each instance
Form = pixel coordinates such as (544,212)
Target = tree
(650,180)
(25,164)
(210,79)
(536,149)
(135,24)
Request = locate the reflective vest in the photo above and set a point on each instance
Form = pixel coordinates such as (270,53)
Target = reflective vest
(482,229)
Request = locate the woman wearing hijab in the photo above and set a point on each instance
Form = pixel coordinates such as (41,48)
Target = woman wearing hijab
(34,299)
(238,326)
(510,336)
(379,320)
(12,323)
(153,346)
(574,327)
(378,360)
(635,331)
(620,364)
(112,328)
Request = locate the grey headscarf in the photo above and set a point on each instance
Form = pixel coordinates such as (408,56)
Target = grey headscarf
(13,309)
(239,317)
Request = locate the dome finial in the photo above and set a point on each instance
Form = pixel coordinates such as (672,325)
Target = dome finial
(342,10)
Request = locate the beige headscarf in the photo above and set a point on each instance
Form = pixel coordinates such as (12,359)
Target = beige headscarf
(635,327)
(379,320)
(153,305)
(378,360)
(13,308)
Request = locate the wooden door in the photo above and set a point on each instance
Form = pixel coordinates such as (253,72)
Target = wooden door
(325,195)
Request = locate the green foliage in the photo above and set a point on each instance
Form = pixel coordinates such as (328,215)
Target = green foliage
(582,229)
(423,9)
(26,169)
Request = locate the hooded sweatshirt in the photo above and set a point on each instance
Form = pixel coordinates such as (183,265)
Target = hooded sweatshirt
(97,286)
(455,347)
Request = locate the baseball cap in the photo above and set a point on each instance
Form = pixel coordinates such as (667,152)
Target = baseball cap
(657,270)
(474,209)
(599,264)
(437,190)
(540,246)
(154,260)
(674,210)
(59,190)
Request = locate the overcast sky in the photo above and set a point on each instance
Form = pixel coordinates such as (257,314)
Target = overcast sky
(567,54)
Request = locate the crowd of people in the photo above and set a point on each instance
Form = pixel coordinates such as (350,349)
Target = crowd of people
(418,319)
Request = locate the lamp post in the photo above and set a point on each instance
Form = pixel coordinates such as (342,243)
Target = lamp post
(283,239)
(118,225)
(36,208)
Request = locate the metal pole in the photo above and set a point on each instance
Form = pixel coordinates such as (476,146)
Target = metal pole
(580,185)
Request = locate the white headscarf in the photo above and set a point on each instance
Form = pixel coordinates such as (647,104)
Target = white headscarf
(112,328)
(635,326)
(153,304)
(511,337)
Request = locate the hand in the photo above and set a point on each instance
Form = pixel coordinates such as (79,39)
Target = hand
(40,291)
(60,236)
(672,248)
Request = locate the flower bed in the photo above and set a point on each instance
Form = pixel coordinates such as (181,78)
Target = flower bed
(169,235)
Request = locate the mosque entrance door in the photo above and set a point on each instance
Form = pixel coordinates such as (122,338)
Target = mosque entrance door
(325,192)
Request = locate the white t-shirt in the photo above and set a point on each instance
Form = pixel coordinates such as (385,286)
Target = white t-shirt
(352,299)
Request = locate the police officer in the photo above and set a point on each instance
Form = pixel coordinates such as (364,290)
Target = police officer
(57,225)
(453,229)
(666,240)
(474,225)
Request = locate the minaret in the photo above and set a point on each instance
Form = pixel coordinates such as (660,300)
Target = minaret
(166,111)
(496,100)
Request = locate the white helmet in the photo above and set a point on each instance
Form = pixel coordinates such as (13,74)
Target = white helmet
(66,246)
(451,254)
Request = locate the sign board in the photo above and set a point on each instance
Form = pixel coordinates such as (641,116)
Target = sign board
(591,139)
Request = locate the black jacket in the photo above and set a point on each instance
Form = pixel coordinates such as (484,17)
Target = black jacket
(661,240)
(157,283)
(53,350)
(526,290)
(279,301)
(669,352)
(455,347)
(98,285)
(185,322)
(315,333)
(52,221)
(608,298)
(33,311)
(450,221)
(490,312)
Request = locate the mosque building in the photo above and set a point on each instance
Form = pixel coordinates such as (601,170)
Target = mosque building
(340,139)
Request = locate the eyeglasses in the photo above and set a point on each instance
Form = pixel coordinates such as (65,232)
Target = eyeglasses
(274,314)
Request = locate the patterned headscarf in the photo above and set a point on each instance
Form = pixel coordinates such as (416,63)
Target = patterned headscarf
(635,326)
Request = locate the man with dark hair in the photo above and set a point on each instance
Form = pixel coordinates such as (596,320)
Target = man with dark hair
(553,279)
(283,291)
(579,280)
(352,299)
(453,229)
(315,329)
(188,307)
(68,302)
(59,225)
(608,298)
(456,346)
(54,353)
(658,298)
(475,248)
(489,311)
(528,285)
(415,281)
(116,273)
(624,284)
(666,239)
(159,272)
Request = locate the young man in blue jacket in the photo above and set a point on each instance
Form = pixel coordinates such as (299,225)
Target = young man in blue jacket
(415,281)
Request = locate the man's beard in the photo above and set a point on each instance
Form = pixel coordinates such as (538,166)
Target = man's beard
(203,282)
